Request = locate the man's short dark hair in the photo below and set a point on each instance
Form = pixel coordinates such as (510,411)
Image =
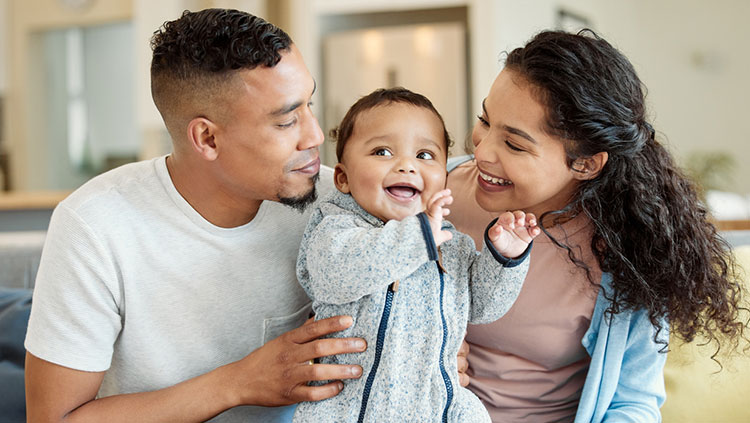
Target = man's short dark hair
(196,52)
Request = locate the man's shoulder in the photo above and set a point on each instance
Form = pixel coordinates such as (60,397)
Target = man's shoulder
(129,180)
(325,182)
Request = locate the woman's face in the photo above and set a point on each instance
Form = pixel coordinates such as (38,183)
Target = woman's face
(521,167)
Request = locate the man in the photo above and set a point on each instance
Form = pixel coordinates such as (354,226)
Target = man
(165,284)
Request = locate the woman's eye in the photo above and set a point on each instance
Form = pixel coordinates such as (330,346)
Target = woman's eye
(288,124)
(425,155)
(482,120)
(513,147)
(382,152)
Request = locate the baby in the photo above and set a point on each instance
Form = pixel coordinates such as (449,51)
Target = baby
(379,251)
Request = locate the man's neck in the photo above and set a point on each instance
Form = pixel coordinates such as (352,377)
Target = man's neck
(204,194)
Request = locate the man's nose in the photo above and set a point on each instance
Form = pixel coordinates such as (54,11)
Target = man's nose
(312,135)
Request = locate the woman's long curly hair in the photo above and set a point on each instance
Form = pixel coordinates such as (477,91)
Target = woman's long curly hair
(650,230)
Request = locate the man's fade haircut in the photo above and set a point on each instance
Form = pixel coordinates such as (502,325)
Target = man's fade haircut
(197,51)
(382,97)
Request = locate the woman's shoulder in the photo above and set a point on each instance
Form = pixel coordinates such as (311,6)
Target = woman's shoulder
(464,162)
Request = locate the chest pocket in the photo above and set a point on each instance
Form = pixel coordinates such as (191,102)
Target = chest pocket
(275,326)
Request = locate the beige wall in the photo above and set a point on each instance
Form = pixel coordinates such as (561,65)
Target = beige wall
(23,19)
(689,53)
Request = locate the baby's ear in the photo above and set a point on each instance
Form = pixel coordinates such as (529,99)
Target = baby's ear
(340,179)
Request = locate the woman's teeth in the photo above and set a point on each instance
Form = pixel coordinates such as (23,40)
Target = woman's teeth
(496,181)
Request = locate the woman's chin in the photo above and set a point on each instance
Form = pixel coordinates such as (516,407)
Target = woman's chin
(490,202)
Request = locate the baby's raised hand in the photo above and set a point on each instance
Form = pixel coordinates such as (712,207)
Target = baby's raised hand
(436,211)
(513,232)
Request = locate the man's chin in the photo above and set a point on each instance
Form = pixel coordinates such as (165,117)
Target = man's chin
(300,202)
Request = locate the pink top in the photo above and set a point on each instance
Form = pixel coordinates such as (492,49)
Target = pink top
(530,365)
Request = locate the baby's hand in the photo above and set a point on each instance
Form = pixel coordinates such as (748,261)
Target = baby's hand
(513,232)
(436,211)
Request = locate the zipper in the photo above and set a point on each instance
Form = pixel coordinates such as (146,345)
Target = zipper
(446,379)
(378,348)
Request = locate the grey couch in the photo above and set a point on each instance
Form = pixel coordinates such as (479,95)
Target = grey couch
(19,260)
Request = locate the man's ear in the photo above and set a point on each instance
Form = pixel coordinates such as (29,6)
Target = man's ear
(201,134)
(340,179)
(586,168)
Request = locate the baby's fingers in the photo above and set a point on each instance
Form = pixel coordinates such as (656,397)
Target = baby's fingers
(506,220)
(439,200)
(526,226)
(498,228)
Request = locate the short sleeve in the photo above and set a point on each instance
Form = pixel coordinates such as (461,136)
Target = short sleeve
(75,314)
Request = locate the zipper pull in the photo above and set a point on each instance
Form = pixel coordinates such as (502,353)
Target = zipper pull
(440,260)
(394,286)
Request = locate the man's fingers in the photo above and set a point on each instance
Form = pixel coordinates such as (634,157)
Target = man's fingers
(316,393)
(330,346)
(463,379)
(315,330)
(463,350)
(329,371)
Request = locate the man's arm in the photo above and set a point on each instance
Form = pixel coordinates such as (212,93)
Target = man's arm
(273,375)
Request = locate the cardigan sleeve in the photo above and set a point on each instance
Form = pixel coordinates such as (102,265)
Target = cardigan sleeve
(347,259)
(625,382)
(495,280)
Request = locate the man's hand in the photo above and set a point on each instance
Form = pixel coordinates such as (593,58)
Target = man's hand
(513,232)
(278,372)
(435,212)
(463,364)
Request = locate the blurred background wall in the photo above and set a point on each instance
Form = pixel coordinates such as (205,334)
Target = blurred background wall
(75,97)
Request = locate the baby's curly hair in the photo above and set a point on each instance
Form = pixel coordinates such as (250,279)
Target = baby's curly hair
(382,97)
(193,55)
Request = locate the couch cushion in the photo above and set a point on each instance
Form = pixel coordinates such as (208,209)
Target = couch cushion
(15,307)
(696,390)
(19,258)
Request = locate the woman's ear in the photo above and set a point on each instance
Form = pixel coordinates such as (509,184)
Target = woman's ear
(201,134)
(586,168)
(340,179)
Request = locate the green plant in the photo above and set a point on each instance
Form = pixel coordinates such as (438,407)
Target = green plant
(711,170)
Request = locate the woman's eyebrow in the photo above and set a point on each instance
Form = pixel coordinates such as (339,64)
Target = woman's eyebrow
(511,129)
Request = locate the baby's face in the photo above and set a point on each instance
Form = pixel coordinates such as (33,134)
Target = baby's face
(394,160)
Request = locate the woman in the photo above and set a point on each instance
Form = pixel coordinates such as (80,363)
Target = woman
(626,245)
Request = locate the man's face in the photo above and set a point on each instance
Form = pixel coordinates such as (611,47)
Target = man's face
(268,145)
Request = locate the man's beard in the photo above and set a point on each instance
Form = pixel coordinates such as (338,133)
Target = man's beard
(301,202)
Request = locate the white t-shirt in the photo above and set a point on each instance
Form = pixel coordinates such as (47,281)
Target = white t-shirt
(133,281)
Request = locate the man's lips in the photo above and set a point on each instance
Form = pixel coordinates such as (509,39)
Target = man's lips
(311,168)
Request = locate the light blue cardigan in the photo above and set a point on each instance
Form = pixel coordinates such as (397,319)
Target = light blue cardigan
(625,380)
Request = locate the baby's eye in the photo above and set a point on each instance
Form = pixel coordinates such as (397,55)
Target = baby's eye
(425,155)
(383,152)
(482,120)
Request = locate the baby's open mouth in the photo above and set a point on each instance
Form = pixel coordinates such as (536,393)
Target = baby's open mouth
(402,191)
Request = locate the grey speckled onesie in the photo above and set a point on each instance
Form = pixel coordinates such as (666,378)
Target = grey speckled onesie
(347,262)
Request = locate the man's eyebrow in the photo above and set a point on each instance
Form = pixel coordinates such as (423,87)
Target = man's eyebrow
(288,108)
(511,129)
